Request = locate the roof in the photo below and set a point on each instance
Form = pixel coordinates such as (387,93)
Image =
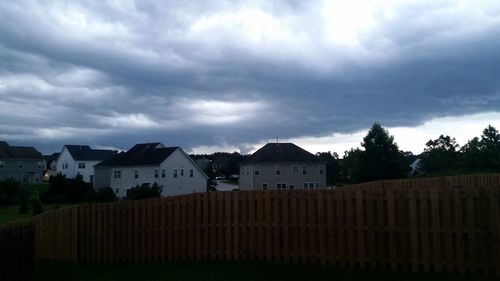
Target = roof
(85,153)
(282,152)
(140,155)
(52,157)
(18,152)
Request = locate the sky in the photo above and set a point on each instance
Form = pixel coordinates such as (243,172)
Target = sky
(232,75)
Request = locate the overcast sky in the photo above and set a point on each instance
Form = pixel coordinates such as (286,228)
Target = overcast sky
(232,75)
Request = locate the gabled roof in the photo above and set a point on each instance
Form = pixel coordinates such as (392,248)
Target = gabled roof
(18,152)
(282,152)
(140,155)
(85,153)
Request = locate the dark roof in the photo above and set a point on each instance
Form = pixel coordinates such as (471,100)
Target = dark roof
(140,154)
(52,157)
(85,153)
(18,152)
(282,152)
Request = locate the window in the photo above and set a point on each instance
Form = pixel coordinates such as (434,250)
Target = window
(182,172)
(281,186)
(117,174)
(2,164)
(310,185)
(304,170)
(264,186)
(156,173)
(321,170)
(65,166)
(257,170)
(117,190)
(295,169)
(20,164)
(163,173)
(316,185)
(291,186)
(136,174)
(81,165)
(91,178)
(277,170)
(175,173)
(39,165)
(191,173)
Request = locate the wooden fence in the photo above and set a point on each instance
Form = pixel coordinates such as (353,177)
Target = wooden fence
(443,225)
(16,251)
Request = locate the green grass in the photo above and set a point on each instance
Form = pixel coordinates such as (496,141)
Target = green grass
(221,271)
(11,213)
(41,188)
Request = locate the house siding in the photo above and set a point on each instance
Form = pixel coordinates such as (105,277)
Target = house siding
(30,173)
(72,170)
(267,175)
(182,184)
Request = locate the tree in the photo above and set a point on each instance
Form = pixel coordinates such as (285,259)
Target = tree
(441,156)
(333,169)
(77,188)
(380,159)
(105,195)
(58,184)
(490,149)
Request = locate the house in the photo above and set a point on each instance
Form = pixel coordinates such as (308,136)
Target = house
(148,163)
(282,166)
(50,164)
(20,163)
(80,159)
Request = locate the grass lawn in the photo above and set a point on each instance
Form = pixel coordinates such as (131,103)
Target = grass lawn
(220,271)
(11,213)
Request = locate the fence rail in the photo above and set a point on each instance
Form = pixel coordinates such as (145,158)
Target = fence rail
(442,224)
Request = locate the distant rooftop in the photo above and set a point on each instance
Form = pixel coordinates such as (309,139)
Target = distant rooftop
(85,153)
(18,152)
(141,154)
(282,152)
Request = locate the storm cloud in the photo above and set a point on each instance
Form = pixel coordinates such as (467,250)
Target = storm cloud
(233,74)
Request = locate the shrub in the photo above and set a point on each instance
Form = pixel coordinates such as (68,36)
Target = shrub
(144,191)
(105,195)
(36,204)
(58,184)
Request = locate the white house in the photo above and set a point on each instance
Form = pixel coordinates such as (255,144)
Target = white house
(148,163)
(80,159)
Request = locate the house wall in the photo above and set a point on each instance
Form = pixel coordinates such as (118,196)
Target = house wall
(73,170)
(171,185)
(30,173)
(65,158)
(267,174)
(102,177)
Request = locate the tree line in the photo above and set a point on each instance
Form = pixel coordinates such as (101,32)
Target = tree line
(380,158)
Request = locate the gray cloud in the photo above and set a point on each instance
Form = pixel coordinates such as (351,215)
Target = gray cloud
(212,72)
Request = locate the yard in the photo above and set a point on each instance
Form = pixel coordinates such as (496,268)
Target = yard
(220,271)
(11,212)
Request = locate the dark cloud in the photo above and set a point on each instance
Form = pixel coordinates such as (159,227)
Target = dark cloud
(234,74)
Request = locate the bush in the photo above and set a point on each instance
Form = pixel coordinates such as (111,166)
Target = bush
(58,184)
(144,191)
(9,188)
(105,195)
(36,204)
(78,189)
(23,208)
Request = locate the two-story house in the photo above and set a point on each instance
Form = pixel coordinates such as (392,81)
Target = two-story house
(80,159)
(20,163)
(282,166)
(148,163)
